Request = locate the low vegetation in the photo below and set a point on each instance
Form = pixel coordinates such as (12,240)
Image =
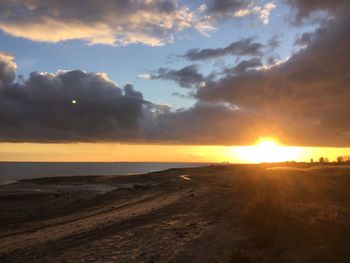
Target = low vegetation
(296,215)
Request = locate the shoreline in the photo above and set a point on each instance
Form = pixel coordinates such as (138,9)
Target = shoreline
(14,171)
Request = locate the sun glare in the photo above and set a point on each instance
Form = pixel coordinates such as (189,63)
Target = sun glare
(267,150)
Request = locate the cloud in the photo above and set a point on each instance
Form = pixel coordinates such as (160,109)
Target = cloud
(263,12)
(108,22)
(244,66)
(306,8)
(306,98)
(42,109)
(119,22)
(7,69)
(304,39)
(77,106)
(181,95)
(246,46)
(274,42)
(144,76)
(226,9)
(204,124)
(223,7)
(186,77)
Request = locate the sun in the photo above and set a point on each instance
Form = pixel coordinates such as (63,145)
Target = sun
(268,150)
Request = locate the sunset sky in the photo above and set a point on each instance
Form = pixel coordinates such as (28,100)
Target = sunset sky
(167,80)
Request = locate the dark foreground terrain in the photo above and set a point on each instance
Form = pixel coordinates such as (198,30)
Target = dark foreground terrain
(238,213)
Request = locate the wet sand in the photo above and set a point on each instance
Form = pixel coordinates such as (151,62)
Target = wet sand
(231,213)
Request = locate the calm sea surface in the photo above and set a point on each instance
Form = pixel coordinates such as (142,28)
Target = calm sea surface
(13,171)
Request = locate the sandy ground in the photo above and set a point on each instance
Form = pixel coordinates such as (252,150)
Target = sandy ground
(238,213)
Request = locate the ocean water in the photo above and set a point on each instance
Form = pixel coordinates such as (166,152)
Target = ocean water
(14,171)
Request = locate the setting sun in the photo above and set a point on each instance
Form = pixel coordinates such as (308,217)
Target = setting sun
(268,150)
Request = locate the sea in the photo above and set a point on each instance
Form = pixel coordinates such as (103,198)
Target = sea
(13,171)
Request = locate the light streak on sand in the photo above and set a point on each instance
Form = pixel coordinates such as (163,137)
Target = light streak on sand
(185,177)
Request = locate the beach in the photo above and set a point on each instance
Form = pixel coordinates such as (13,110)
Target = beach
(220,213)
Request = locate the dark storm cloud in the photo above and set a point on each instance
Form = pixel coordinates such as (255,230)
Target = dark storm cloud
(242,47)
(306,97)
(186,77)
(69,106)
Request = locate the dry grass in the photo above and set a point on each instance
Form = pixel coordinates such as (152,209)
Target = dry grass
(296,216)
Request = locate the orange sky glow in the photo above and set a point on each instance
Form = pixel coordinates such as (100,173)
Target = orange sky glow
(265,150)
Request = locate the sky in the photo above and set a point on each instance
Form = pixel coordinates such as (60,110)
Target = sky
(199,80)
